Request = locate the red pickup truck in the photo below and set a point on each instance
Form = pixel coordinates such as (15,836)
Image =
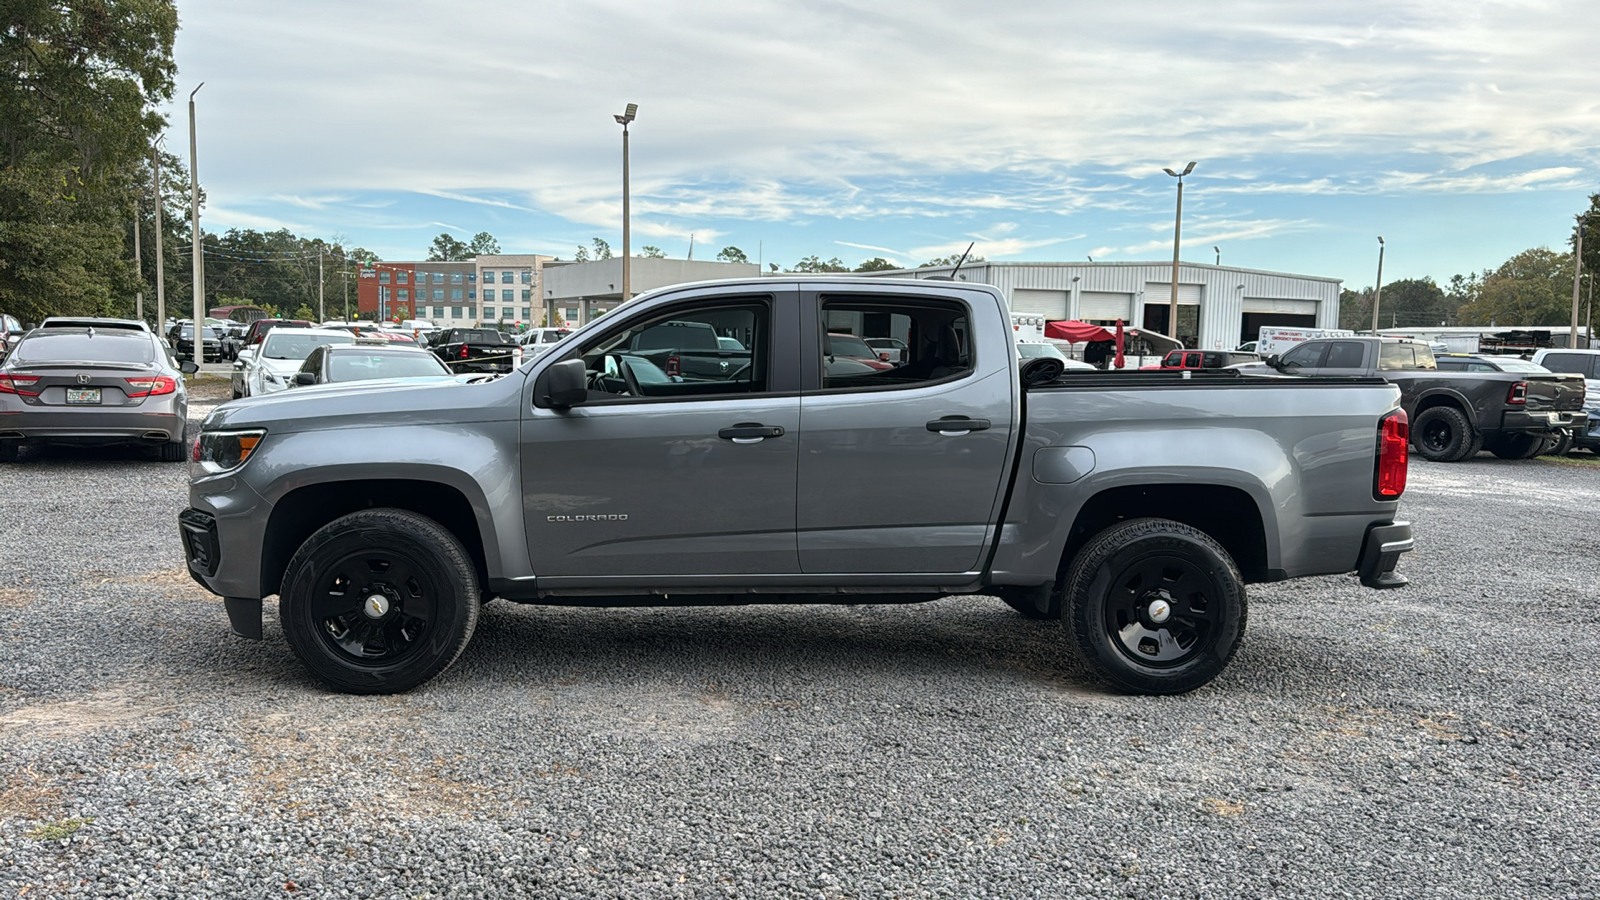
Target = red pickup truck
(1202,359)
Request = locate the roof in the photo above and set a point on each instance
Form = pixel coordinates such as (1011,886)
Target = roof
(1166,264)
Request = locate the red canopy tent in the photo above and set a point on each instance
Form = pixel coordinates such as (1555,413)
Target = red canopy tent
(1074,332)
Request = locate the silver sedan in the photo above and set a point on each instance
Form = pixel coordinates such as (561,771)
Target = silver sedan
(83,385)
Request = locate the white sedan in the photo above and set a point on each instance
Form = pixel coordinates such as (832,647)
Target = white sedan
(1035,349)
(270,366)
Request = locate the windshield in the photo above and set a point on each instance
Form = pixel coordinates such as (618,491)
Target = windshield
(1036,351)
(78,346)
(291,344)
(357,366)
(849,345)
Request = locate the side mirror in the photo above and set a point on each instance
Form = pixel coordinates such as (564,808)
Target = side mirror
(1272,360)
(188,367)
(305,378)
(563,385)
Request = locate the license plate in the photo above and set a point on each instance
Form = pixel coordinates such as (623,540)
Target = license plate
(83,395)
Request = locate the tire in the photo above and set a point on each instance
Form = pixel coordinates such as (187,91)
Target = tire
(1131,603)
(1475,448)
(426,590)
(175,451)
(1559,445)
(1517,446)
(1442,434)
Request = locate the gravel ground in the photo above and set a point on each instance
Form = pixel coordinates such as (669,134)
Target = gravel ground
(1432,742)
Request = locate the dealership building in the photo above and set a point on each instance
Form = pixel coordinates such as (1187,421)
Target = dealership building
(1219,307)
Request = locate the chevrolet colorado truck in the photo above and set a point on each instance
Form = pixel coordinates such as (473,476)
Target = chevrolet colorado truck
(1453,414)
(1134,506)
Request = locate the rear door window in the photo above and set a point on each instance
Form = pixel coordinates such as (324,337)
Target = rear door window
(1344,355)
(936,334)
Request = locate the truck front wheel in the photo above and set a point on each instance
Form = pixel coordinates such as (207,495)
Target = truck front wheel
(379,601)
(1158,607)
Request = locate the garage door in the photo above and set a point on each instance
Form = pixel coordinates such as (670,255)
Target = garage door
(1050,304)
(1099,305)
(1282,307)
(1161,292)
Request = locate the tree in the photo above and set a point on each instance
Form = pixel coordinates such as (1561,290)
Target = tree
(731,254)
(447,249)
(949,261)
(649,252)
(80,83)
(602,250)
(813,264)
(582,255)
(876,264)
(1532,288)
(483,243)
(305,312)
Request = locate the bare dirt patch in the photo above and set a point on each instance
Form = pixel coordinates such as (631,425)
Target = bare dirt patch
(210,388)
(16,597)
(173,583)
(26,798)
(68,718)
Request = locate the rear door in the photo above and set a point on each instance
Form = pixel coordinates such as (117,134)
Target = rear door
(900,468)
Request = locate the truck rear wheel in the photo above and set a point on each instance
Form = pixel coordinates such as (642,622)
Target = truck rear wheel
(1517,446)
(1157,607)
(379,601)
(1442,434)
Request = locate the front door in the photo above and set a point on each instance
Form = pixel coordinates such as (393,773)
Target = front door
(900,465)
(682,462)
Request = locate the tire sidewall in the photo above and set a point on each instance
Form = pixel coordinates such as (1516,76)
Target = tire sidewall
(430,548)
(1096,571)
(1460,439)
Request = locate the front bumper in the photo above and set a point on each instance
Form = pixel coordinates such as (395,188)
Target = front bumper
(1381,553)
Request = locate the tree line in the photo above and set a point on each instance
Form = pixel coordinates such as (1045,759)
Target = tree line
(1533,287)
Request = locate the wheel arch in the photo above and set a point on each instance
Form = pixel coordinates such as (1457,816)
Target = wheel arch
(1227,513)
(303,510)
(1445,397)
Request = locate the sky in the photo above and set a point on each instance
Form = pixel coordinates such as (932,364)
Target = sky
(1462,133)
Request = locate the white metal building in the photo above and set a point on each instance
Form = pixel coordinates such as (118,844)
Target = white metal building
(1218,306)
(577,292)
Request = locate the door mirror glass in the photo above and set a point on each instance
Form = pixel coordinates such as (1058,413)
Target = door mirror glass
(188,368)
(563,385)
(304,378)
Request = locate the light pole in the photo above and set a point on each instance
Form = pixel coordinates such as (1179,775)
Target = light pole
(627,252)
(1588,326)
(161,266)
(1219,255)
(138,263)
(1177,235)
(194,237)
(1577,270)
(1377,292)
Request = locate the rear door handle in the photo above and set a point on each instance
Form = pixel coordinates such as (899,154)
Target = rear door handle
(750,432)
(956,426)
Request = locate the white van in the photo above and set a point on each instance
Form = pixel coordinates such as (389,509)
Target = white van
(1279,340)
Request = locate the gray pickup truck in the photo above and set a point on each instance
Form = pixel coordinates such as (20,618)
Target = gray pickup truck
(1453,414)
(1135,506)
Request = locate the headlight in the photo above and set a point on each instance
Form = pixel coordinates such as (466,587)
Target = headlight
(224,451)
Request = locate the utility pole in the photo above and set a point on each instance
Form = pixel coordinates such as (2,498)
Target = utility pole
(1577,271)
(322,315)
(161,269)
(345,274)
(1377,292)
(194,237)
(627,252)
(138,265)
(1177,235)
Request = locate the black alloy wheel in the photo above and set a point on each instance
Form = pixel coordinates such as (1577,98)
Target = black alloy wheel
(379,601)
(1442,434)
(1158,607)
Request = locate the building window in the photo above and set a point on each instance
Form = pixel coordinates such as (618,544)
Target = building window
(570,314)
(508,295)
(455,312)
(472,278)
(488,277)
(488,313)
(438,312)
(403,277)
(527,313)
(383,277)
(438,293)
(472,295)
(455,295)
(455,278)
(527,278)
(438,278)
(405,294)
(526,296)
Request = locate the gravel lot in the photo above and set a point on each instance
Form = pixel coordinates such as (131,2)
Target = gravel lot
(1438,741)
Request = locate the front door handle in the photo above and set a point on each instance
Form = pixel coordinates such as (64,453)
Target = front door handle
(956,426)
(750,432)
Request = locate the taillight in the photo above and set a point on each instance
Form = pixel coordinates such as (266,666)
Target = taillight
(19,384)
(1389,480)
(194,451)
(463,351)
(884,356)
(673,366)
(151,386)
(1518,393)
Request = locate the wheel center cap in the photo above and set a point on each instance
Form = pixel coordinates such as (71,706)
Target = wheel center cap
(376,607)
(1158,611)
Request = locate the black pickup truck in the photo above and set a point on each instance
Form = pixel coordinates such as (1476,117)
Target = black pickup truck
(1453,414)
(475,350)
(691,351)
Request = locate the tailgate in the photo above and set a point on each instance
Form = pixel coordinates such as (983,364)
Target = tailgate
(1555,392)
